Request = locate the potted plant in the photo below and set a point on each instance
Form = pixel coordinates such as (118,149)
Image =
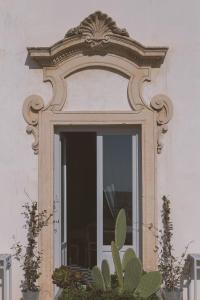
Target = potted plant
(130,281)
(172,268)
(68,280)
(29,255)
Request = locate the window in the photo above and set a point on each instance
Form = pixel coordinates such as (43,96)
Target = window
(83,49)
(100,173)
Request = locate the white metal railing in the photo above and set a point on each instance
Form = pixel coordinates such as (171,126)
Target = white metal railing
(192,282)
(6,276)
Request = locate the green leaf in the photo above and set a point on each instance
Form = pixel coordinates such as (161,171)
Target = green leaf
(120,229)
(106,273)
(149,284)
(128,255)
(117,263)
(132,275)
(98,279)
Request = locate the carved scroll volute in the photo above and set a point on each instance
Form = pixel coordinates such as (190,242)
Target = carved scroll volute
(32,105)
(164,109)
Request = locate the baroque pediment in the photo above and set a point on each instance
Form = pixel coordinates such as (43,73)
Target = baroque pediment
(97,42)
(98,34)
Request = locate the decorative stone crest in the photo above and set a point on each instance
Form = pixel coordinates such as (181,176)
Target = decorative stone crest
(163,106)
(32,105)
(96,29)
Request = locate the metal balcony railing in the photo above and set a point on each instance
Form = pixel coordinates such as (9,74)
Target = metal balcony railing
(192,282)
(6,276)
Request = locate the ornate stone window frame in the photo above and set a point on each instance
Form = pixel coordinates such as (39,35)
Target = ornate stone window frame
(96,43)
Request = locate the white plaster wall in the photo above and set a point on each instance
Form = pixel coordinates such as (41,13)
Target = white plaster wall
(95,90)
(175,24)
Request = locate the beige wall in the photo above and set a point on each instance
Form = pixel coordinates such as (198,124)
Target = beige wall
(95,90)
(175,24)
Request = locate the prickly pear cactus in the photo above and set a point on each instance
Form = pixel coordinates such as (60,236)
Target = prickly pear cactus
(128,255)
(120,229)
(98,279)
(132,274)
(117,263)
(105,269)
(149,284)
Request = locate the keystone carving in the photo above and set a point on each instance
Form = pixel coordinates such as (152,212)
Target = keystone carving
(96,29)
(163,106)
(32,105)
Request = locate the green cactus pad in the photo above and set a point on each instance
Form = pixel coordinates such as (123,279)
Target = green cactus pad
(128,255)
(106,273)
(117,263)
(120,229)
(149,284)
(98,279)
(132,275)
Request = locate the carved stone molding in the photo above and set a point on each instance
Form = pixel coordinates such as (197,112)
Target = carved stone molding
(97,43)
(98,34)
(96,29)
(32,105)
(164,108)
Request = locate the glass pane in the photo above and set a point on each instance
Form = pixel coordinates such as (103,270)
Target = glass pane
(78,208)
(117,184)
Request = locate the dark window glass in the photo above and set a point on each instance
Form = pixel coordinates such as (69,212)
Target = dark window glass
(117,184)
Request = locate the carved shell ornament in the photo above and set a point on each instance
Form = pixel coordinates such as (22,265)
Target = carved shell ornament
(96,29)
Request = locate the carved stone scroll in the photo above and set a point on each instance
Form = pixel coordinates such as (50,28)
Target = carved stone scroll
(163,106)
(96,29)
(32,105)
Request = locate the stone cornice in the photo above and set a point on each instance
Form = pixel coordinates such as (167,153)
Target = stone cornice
(98,34)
